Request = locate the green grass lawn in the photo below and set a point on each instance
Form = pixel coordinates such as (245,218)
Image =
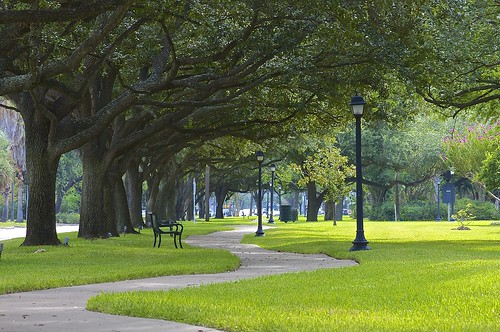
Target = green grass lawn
(419,276)
(113,259)
(8,224)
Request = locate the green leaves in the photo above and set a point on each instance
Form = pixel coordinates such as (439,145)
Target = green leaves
(466,149)
(327,168)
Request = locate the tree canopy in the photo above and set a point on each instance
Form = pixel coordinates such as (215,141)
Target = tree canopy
(135,83)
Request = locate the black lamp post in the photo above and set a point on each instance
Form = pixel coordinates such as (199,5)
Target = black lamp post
(273,169)
(452,181)
(438,182)
(360,243)
(260,231)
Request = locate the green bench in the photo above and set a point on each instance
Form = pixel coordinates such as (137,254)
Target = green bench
(172,228)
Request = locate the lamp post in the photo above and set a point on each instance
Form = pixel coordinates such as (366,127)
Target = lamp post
(452,205)
(260,157)
(271,218)
(438,182)
(360,243)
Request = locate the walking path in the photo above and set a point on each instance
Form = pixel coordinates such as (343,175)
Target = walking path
(63,309)
(18,231)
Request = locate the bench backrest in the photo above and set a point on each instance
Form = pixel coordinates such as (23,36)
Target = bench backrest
(154,222)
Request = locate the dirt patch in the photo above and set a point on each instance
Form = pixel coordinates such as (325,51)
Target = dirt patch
(462,228)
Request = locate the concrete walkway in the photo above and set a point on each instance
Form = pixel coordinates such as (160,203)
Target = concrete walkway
(18,231)
(63,309)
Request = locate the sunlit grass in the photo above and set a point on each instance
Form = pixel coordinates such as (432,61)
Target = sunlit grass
(113,259)
(419,276)
(8,224)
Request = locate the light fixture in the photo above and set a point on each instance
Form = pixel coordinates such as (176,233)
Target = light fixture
(260,156)
(357,104)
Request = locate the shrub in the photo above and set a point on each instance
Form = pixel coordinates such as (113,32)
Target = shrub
(382,212)
(68,218)
(418,210)
(481,210)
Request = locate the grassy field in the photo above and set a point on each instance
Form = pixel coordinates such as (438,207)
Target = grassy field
(6,224)
(103,260)
(419,276)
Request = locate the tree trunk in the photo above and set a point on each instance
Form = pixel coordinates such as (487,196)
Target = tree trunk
(220,197)
(295,200)
(20,212)
(59,199)
(92,199)
(191,201)
(109,215)
(63,191)
(41,225)
(339,210)
(5,210)
(183,199)
(122,208)
(313,202)
(201,209)
(160,204)
(153,188)
(134,194)
(41,166)
(170,191)
(329,210)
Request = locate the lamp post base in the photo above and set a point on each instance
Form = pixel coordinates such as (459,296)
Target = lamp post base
(359,245)
(271,221)
(260,232)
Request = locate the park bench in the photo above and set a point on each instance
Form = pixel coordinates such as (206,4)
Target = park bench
(174,229)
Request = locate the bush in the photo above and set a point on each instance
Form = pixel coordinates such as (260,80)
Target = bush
(71,202)
(68,218)
(420,210)
(417,210)
(382,212)
(480,210)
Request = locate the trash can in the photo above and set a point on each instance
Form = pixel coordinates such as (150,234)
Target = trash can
(285,213)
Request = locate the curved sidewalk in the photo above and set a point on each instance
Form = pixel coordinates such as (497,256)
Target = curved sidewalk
(63,309)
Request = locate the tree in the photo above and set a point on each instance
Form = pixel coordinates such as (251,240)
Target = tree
(471,151)
(11,123)
(490,170)
(78,67)
(328,169)
(398,158)
(69,174)
(35,78)
(460,69)
(6,174)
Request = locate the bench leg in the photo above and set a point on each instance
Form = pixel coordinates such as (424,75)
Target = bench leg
(180,241)
(159,240)
(154,244)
